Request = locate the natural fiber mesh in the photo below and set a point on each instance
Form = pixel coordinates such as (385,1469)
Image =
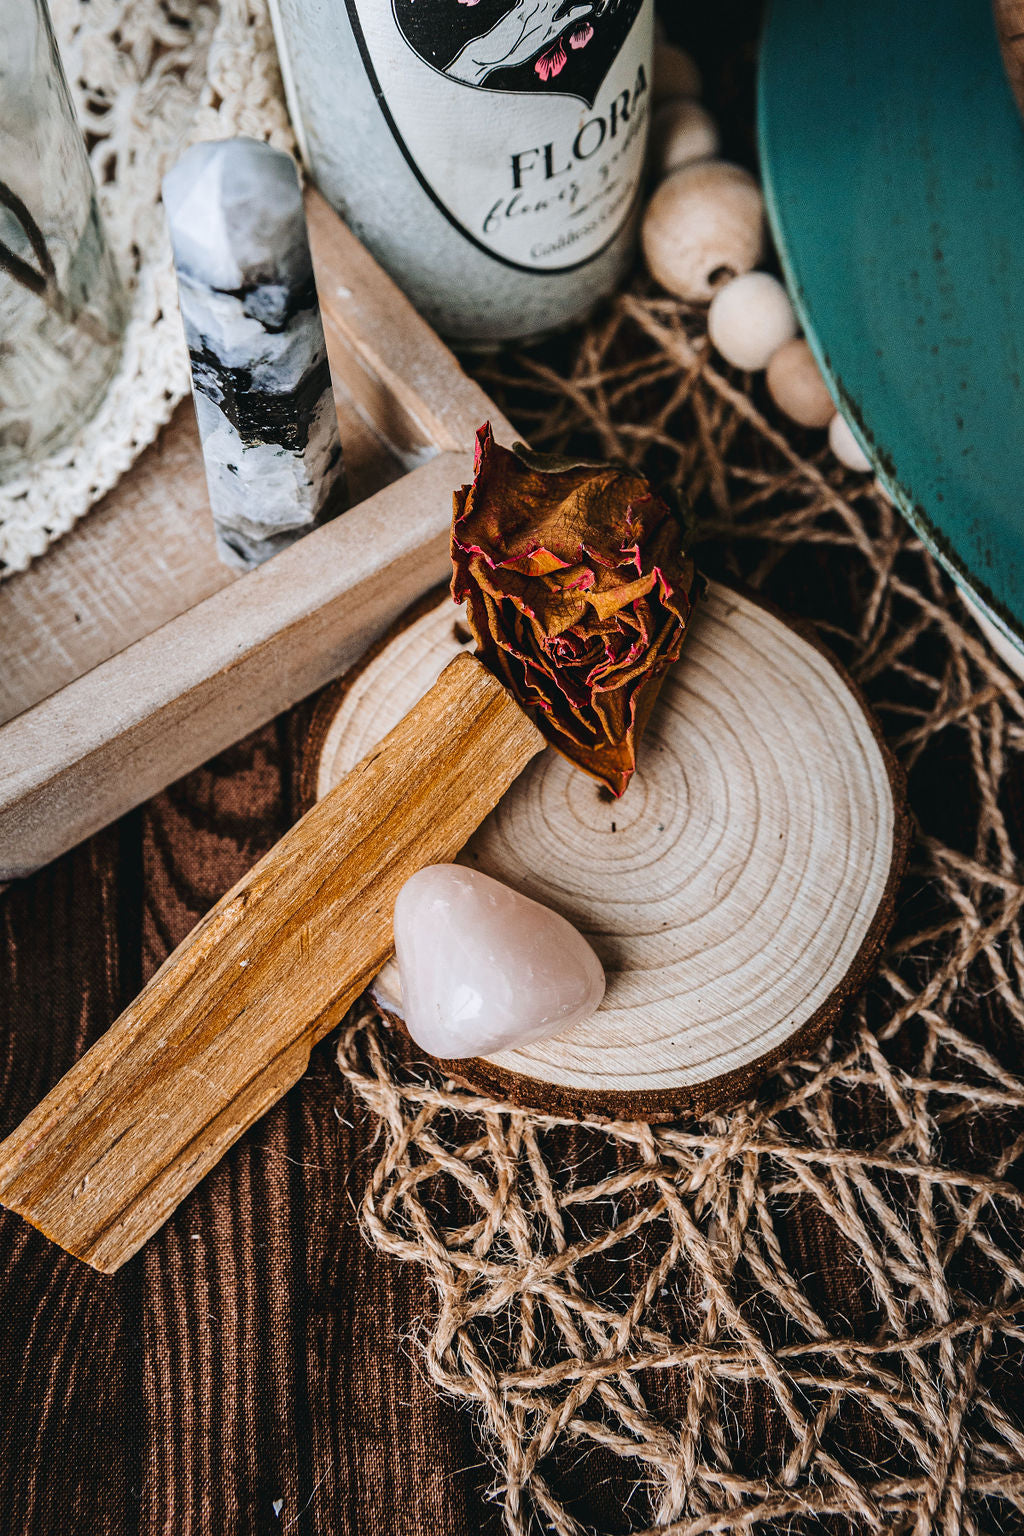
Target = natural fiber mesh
(806,1313)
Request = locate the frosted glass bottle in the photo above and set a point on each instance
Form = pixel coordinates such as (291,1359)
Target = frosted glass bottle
(489,152)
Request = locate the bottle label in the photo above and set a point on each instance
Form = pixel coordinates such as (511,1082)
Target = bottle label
(525,120)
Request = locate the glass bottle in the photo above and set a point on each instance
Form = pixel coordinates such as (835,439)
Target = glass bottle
(62,308)
(489,152)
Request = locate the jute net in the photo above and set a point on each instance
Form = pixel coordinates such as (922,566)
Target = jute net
(807,1313)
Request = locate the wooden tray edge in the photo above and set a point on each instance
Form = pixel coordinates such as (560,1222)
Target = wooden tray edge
(120,732)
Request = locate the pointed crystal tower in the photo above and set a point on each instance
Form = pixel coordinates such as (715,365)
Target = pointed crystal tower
(260,376)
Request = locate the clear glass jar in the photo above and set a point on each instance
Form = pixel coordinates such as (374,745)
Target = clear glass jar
(62,307)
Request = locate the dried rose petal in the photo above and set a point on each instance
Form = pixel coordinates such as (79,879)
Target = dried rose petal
(578,591)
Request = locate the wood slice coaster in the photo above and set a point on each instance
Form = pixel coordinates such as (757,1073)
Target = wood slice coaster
(739,892)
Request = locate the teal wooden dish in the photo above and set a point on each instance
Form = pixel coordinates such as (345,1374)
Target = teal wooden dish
(893,164)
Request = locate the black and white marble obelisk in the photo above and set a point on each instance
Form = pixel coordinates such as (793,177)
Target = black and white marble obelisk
(260,376)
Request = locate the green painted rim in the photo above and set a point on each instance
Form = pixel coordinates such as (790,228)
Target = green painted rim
(892,158)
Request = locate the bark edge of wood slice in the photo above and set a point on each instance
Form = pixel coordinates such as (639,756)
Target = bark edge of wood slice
(739,893)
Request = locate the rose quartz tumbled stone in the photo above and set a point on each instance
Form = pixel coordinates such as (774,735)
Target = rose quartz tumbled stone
(484,968)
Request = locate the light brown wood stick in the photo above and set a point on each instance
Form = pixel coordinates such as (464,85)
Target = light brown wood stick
(226,1025)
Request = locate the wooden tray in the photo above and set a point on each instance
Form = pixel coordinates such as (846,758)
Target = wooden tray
(129,653)
(738,894)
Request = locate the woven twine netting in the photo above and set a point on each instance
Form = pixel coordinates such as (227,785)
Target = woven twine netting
(807,1313)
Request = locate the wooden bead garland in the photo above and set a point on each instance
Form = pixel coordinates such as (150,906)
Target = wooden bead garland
(703,234)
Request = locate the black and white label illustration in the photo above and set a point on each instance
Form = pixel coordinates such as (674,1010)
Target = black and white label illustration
(525,120)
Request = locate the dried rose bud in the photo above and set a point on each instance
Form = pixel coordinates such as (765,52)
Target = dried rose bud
(578,591)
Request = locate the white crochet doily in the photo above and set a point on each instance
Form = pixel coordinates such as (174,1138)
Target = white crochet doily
(148,77)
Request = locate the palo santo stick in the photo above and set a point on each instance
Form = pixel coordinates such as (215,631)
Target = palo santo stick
(226,1025)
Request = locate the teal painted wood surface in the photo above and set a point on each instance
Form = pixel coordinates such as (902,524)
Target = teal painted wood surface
(893,163)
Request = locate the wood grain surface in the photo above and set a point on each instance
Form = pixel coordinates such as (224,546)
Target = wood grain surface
(247,1358)
(226,1026)
(737,893)
(143,558)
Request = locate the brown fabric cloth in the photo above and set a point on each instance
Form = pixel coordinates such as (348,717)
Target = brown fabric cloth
(252,1369)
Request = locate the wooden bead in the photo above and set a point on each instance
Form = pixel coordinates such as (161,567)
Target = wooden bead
(703,226)
(797,387)
(675,73)
(750,319)
(681,132)
(845,446)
